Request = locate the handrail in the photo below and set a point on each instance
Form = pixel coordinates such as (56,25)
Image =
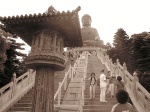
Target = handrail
(13,90)
(138,94)
(63,81)
(77,65)
(68,74)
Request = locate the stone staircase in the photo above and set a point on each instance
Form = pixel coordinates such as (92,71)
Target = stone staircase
(94,105)
(25,103)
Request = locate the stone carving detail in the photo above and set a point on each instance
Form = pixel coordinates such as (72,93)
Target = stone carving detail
(47,58)
(47,43)
(47,48)
(58,45)
(35,44)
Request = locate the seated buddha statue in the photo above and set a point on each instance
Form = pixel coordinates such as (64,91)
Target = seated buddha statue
(90,35)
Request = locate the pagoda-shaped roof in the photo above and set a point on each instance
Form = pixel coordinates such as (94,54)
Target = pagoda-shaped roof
(66,23)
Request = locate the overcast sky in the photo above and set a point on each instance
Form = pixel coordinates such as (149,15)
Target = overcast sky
(107,15)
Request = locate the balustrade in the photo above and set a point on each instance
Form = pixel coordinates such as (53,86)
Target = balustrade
(11,92)
(80,67)
(138,94)
(19,86)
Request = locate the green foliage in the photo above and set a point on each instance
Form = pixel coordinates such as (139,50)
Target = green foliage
(121,46)
(108,46)
(13,63)
(3,47)
(135,52)
(141,52)
(120,39)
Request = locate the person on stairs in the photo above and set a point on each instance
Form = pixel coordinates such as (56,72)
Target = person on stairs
(122,106)
(108,76)
(92,85)
(112,83)
(120,84)
(103,85)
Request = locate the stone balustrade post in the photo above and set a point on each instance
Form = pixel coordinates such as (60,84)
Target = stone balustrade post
(136,79)
(14,84)
(83,88)
(124,69)
(70,76)
(29,76)
(117,69)
(59,94)
(65,83)
(110,62)
(71,70)
(104,57)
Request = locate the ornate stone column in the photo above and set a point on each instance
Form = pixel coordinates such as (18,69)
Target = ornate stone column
(47,34)
(46,57)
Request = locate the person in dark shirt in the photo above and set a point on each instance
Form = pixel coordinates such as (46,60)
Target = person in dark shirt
(92,85)
(122,106)
(120,84)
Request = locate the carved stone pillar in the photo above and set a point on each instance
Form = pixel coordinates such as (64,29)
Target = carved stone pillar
(46,57)
(43,98)
(47,33)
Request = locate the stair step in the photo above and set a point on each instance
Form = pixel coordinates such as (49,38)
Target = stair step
(25,103)
(94,105)
(21,109)
(95,110)
(103,107)
(18,111)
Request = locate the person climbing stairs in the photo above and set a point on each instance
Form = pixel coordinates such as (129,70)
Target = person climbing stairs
(94,105)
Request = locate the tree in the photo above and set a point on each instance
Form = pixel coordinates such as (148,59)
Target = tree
(108,46)
(13,63)
(140,57)
(3,47)
(140,51)
(121,44)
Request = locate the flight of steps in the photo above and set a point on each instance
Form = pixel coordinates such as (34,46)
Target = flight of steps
(94,105)
(24,104)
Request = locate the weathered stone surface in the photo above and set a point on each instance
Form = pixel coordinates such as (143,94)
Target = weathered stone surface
(43,99)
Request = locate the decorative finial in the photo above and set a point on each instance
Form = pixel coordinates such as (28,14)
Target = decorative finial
(51,10)
(14,75)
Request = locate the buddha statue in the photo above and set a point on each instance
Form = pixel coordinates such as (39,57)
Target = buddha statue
(90,35)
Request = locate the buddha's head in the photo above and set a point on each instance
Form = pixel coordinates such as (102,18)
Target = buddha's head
(86,20)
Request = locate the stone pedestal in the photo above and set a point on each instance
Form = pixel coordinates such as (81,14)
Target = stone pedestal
(43,99)
(46,57)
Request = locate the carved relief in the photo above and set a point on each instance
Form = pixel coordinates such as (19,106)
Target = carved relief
(47,43)
(58,45)
(35,44)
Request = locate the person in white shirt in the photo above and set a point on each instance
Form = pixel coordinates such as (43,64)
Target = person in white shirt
(103,85)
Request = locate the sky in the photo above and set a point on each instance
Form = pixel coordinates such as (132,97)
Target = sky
(107,15)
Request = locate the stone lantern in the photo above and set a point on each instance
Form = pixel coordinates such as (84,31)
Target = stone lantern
(47,34)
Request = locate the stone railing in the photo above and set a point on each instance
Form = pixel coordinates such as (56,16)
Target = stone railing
(63,85)
(91,48)
(80,65)
(138,94)
(12,92)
